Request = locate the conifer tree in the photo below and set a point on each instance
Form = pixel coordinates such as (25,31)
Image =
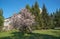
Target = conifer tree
(28,7)
(52,25)
(1,17)
(36,12)
(57,18)
(45,18)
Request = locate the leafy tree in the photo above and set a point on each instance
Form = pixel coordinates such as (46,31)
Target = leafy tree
(23,21)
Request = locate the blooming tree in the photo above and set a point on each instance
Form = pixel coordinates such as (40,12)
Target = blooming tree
(23,20)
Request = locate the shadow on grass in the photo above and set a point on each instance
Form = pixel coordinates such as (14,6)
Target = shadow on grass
(20,35)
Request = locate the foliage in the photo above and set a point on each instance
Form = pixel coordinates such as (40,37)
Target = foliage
(23,20)
(56,16)
(28,7)
(36,11)
(1,19)
(45,18)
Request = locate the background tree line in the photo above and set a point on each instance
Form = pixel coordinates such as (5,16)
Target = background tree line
(44,20)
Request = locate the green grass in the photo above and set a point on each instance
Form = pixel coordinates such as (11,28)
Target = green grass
(36,34)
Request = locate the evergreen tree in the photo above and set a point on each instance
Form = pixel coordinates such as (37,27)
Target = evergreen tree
(45,18)
(52,25)
(36,9)
(57,18)
(1,19)
(36,12)
(28,7)
(32,9)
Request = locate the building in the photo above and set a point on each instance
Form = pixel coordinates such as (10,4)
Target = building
(7,25)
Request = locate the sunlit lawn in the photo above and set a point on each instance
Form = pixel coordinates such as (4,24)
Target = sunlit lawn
(36,34)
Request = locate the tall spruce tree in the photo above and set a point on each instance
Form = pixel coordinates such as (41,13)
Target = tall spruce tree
(28,7)
(36,12)
(45,18)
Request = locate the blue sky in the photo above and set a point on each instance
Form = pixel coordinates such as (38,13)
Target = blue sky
(14,6)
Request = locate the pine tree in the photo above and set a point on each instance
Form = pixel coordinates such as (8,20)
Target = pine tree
(52,25)
(45,18)
(57,18)
(36,9)
(36,12)
(1,19)
(28,7)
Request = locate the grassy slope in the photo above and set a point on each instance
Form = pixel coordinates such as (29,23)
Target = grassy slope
(37,34)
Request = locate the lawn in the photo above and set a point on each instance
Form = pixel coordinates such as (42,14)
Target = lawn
(36,34)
